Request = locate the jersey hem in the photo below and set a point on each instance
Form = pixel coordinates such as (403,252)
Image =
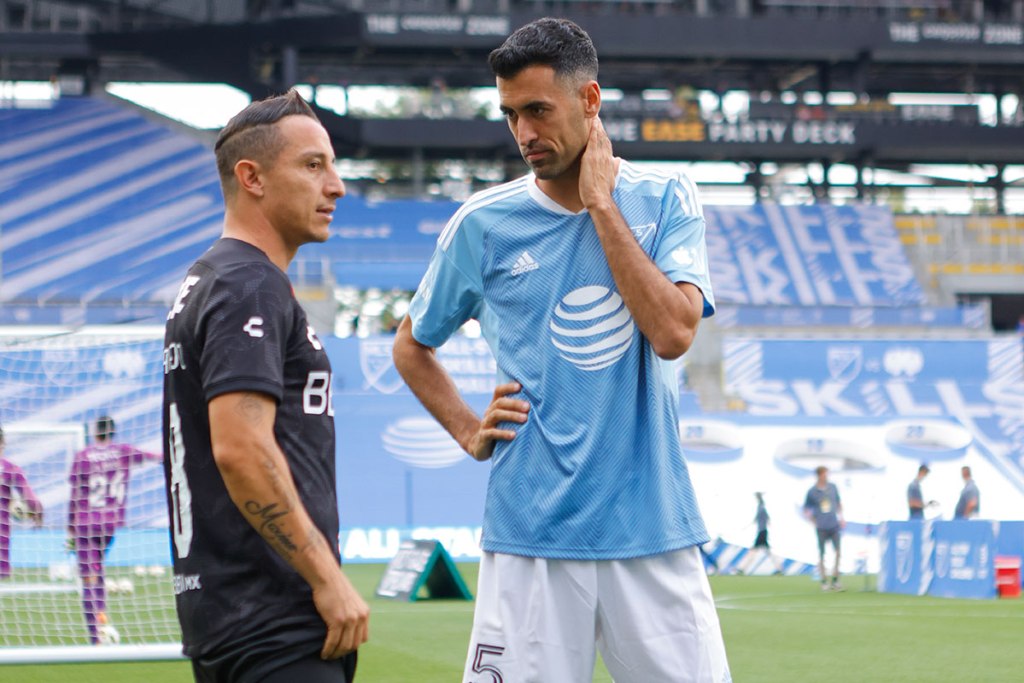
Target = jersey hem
(592,554)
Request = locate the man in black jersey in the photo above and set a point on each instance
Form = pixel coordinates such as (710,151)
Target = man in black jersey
(248,423)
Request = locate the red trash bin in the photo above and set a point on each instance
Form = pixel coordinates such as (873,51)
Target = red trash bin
(1007,571)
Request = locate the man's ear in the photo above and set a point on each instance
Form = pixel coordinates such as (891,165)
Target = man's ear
(591,99)
(249,177)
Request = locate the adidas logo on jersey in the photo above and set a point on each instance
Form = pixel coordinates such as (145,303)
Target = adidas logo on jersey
(524,264)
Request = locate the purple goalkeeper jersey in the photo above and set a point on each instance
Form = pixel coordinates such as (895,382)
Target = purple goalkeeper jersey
(14,486)
(99,484)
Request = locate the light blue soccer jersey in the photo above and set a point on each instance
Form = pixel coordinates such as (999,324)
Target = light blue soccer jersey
(597,471)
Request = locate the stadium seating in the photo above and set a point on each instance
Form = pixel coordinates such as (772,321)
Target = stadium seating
(100,204)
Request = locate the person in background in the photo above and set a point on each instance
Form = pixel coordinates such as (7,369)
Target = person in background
(915,499)
(762,520)
(17,501)
(824,509)
(96,510)
(969,504)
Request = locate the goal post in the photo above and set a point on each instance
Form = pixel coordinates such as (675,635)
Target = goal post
(55,384)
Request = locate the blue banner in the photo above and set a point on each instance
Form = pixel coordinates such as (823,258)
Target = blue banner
(902,565)
(974,317)
(961,559)
(849,360)
(817,255)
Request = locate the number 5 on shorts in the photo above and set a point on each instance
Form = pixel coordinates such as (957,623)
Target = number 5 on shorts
(479,667)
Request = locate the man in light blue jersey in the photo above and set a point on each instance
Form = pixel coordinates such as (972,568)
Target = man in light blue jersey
(588,277)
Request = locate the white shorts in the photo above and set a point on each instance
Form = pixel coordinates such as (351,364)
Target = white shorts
(539,620)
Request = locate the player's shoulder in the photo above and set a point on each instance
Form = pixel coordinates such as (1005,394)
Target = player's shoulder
(232,263)
(482,206)
(660,182)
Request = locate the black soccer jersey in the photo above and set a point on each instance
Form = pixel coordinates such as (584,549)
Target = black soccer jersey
(236,326)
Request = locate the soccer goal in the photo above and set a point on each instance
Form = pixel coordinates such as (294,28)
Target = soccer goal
(60,604)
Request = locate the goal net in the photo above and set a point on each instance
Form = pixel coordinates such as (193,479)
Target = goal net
(100,589)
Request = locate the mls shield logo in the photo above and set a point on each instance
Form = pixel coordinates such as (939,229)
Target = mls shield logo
(941,559)
(904,556)
(378,369)
(845,362)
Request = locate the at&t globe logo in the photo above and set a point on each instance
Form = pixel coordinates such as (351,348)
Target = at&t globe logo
(592,328)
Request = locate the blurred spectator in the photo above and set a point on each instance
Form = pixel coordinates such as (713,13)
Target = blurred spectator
(823,507)
(915,500)
(969,504)
(17,501)
(762,520)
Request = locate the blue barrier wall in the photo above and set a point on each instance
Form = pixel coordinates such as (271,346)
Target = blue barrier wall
(949,559)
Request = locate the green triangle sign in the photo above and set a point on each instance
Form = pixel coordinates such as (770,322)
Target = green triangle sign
(422,569)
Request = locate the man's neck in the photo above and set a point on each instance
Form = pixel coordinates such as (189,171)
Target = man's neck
(564,191)
(256,231)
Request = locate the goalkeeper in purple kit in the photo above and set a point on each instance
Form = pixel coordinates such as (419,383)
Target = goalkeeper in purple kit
(16,500)
(99,489)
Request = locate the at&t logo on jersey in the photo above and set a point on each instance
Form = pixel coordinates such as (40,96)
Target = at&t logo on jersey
(592,327)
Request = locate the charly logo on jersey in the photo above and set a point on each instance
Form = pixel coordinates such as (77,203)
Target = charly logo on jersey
(524,264)
(592,327)
(421,442)
(254,328)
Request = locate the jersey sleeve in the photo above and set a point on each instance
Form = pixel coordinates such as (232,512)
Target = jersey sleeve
(137,457)
(681,252)
(245,328)
(20,483)
(451,291)
(74,481)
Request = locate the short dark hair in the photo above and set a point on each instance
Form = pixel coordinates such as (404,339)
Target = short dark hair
(924,468)
(105,427)
(251,134)
(558,43)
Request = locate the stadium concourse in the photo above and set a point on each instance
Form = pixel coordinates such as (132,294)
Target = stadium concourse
(832,345)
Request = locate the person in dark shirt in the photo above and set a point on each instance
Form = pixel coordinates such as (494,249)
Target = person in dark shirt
(761,545)
(249,426)
(823,507)
(969,504)
(915,499)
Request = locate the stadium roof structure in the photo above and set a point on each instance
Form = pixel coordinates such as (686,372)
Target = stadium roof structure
(265,47)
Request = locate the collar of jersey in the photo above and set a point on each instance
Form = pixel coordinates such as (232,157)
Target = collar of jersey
(550,204)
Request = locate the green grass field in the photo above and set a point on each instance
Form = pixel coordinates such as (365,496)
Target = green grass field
(777,629)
